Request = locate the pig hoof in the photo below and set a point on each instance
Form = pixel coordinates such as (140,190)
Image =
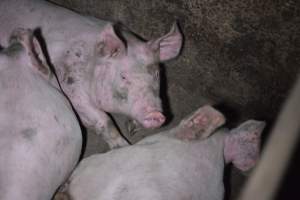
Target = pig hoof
(20,35)
(117,143)
(133,127)
(154,120)
(201,124)
(61,196)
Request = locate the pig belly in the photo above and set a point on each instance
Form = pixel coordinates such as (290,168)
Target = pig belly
(157,168)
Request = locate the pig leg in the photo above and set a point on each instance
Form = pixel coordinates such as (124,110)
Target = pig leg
(91,116)
(101,123)
(200,124)
(242,144)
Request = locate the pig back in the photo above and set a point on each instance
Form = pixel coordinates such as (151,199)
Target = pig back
(40,139)
(159,167)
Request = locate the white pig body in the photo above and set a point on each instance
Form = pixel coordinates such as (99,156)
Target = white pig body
(40,137)
(174,164)
(159,167)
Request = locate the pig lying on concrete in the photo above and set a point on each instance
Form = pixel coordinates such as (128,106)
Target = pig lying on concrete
(170,165)
(98,69)
(40,138)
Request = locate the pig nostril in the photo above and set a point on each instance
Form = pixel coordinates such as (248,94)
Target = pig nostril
(154,120)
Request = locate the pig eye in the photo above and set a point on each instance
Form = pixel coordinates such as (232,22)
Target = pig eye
(156,75)
(124,78)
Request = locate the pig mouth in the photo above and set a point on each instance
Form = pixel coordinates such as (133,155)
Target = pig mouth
(153,120)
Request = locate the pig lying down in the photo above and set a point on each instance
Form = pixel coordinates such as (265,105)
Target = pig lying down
(170,165)
(40,138)
(99,70)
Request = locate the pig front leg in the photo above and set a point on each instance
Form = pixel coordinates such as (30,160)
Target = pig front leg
(199,125)
(94,118)
(102,124)
(74,81)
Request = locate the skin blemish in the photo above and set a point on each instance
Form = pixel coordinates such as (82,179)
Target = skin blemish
(78,54)
(120,95)
(29,133)
(70,80)
(55,117)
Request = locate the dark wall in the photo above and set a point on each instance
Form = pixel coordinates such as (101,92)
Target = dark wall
(242,55)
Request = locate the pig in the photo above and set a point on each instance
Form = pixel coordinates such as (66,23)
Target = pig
(178,164)
(101,68)
(40,136)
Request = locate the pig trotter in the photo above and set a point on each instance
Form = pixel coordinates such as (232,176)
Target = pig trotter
(133,127)
(61,196)
(112,136)
(200,124)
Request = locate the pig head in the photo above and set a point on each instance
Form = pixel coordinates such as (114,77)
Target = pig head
(123,73)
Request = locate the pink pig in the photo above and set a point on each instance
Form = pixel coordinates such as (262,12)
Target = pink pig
(40,137)
(101,70)
(177,164)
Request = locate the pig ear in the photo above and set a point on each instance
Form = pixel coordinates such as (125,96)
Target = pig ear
(169,45)
(242,145)
(33,49)
(111,44)
(201,124)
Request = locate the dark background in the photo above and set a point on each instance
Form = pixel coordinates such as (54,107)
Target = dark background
(241,55)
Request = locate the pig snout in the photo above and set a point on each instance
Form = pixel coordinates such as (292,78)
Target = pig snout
(149,116)
(153,120)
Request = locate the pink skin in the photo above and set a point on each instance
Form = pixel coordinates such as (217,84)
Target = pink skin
(200,124)
(168,167)
(136,77)
(121,79)
(40,137)
(243,144)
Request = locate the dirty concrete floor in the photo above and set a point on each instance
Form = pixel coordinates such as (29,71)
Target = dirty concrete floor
(240,55)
